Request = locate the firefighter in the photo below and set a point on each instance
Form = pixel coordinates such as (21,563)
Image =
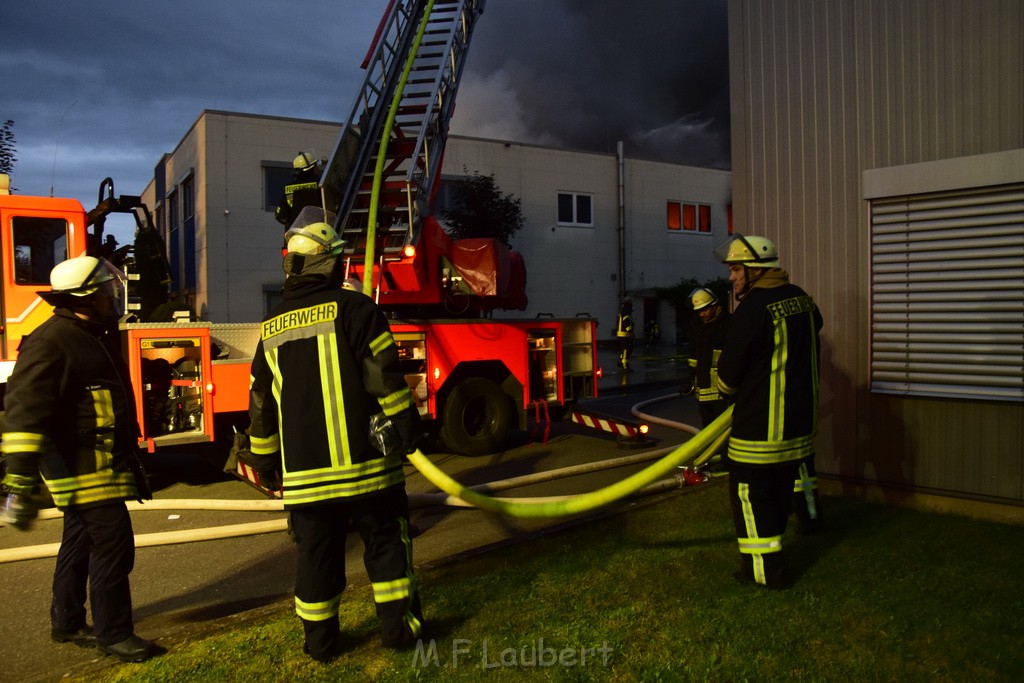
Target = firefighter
(624,333)
(769,366)
(653,335)
(326,366)
(303,191)
(707,339)
(71,424)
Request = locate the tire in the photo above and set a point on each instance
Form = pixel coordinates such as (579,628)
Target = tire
(477,417)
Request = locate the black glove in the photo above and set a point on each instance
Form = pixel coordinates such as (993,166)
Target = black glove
(141,478)
(410,431)
(268,469)
(19,511)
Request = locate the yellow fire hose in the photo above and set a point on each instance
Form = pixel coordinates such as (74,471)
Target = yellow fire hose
(702,446)
(697,450)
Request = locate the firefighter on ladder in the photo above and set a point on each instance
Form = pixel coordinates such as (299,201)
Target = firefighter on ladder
(624,333)
(325,369)
(303,191)
(769,366)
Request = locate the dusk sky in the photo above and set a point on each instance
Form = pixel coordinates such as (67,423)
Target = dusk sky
(104,89)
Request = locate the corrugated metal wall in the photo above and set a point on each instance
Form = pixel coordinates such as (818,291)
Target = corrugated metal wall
(821,91)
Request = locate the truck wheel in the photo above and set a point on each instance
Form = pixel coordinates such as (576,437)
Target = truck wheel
(477,417)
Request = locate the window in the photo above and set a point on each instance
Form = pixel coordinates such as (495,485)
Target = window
(447,196)
(689,217)
(272,296)
(39,245)
(276,174)
(188,229)
(575,209)
(947,295)
(174,240)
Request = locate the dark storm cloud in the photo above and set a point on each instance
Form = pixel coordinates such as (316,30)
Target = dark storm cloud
(104,89)
(586,73)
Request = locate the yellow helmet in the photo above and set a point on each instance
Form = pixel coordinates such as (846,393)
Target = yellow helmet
(702,298)
(756,252)
(315,238)
(312,233)
(304,161)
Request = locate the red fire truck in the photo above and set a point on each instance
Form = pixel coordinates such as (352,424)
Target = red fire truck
(474,376)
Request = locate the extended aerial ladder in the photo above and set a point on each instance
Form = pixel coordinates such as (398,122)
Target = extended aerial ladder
(382,175)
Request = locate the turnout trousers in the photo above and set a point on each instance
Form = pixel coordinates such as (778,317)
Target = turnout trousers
(806,502)
(97,551)
(760,498)
(382,522)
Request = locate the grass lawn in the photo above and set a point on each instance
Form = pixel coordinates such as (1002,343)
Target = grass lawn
(883,593)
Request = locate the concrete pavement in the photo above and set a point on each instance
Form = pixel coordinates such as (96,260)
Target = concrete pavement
(183,591)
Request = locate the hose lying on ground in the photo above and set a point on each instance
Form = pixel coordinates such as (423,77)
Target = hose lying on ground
(698,449)
(705,443)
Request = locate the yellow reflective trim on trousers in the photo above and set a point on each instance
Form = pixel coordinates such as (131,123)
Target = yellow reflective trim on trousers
(692,362)
(760,546)
(777,382)
(334,400)
(806,485)
(750,526)
(25,442)
(318,611)
(381,342)
(389,591)
(392,404)
(805,481)
(410,619)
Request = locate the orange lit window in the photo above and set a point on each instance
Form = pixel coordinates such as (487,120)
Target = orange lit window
(674,221)
(691,217)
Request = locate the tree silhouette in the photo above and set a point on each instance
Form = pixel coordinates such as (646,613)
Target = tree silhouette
(479,209)
(7,155)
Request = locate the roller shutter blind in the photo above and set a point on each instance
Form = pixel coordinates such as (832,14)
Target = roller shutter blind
(947,290)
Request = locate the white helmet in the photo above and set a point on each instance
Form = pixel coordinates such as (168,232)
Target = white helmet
(755,252)
(80,276)
(312,233)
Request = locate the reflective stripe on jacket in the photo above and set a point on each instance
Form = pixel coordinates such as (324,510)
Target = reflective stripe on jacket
(706,343)
(770,367)
(326,362)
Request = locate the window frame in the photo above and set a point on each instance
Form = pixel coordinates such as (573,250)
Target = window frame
(272,194)
(691,218)
(576,198)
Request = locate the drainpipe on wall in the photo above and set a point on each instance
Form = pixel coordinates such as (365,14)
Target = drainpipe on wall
(620,153)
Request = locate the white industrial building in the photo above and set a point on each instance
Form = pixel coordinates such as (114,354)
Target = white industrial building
(214,197)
